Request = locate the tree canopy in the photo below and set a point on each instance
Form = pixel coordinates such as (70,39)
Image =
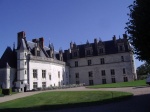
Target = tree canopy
(143,70)
(138,29)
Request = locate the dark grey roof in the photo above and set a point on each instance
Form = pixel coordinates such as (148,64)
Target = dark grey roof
(111,47)
(9,58)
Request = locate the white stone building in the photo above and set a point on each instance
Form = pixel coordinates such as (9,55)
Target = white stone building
(37,66)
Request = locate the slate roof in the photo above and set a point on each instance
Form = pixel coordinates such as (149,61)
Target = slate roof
(111,47)
(9,57)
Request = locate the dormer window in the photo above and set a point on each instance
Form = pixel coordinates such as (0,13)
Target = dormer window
(75,54)
(121,47)
(101,50)
(88,52)
(38,53)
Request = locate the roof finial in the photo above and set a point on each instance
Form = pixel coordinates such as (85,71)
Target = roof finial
(14,45)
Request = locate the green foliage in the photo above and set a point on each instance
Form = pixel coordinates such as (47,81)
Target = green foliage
(138,28)
(143,70)
(6,91)
(61,99)
(121,84)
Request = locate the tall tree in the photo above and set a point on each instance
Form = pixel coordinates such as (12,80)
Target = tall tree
(138,28)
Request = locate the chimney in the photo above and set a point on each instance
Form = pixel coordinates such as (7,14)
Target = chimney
(20,36)
(114,38)
(71,45)
(41,42)
(95,41)
(124,36)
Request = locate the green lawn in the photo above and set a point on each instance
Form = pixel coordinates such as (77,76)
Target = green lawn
(121,84)
(55,100)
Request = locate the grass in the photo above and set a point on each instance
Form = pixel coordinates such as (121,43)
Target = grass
(121,84)
(57,100)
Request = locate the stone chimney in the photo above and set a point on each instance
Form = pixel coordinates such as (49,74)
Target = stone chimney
(41,42)
(20,36)
(125,36)
(71,45)
(114,38)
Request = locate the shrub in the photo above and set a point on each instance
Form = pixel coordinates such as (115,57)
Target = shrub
(6,91)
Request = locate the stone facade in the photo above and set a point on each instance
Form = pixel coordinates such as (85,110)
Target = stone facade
(38,66)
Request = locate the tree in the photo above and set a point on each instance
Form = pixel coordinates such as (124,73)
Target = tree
(143,70)
(138,28)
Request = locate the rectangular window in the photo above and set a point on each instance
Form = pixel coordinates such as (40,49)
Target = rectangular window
(43,84)
(58,83)
(43,73)
(103,81)
(75,54)
(35,85)
(49,77)
(77,82)
(121,48)
(113,80)
(102,61)
(101,51)
(103,72)
(25,72)
(89,62)
(91,82)
(122,58)
(125,79)
(76,63)
(124,71)
(38,53)
(58,74)
(34,73)
(112,71)
(90,74)
(77,75)
(88,52)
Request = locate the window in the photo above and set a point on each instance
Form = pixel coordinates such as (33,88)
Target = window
(103,81)
(122,58)
(25,54)
(75,54)
(77,75)
(38,53)
(88,52)
(101,51)
(34,73)
(113,80)
(25,72)
(76,63)
(89,62)
(35,85)
(58,74)
(124,71)
(103,72)
(43,73)
(49,77)
(77,82)
(102,61)
(112,71)
(25,63)
(58,83)
(43,84)
(120,48)
(91,82)
(90,74)
(125,79)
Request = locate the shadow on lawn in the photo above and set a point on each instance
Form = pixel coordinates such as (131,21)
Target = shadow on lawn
(64,106)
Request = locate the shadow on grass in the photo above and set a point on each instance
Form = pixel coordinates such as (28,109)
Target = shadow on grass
(65,106)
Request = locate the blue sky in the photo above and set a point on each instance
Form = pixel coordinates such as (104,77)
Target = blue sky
(62,21)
